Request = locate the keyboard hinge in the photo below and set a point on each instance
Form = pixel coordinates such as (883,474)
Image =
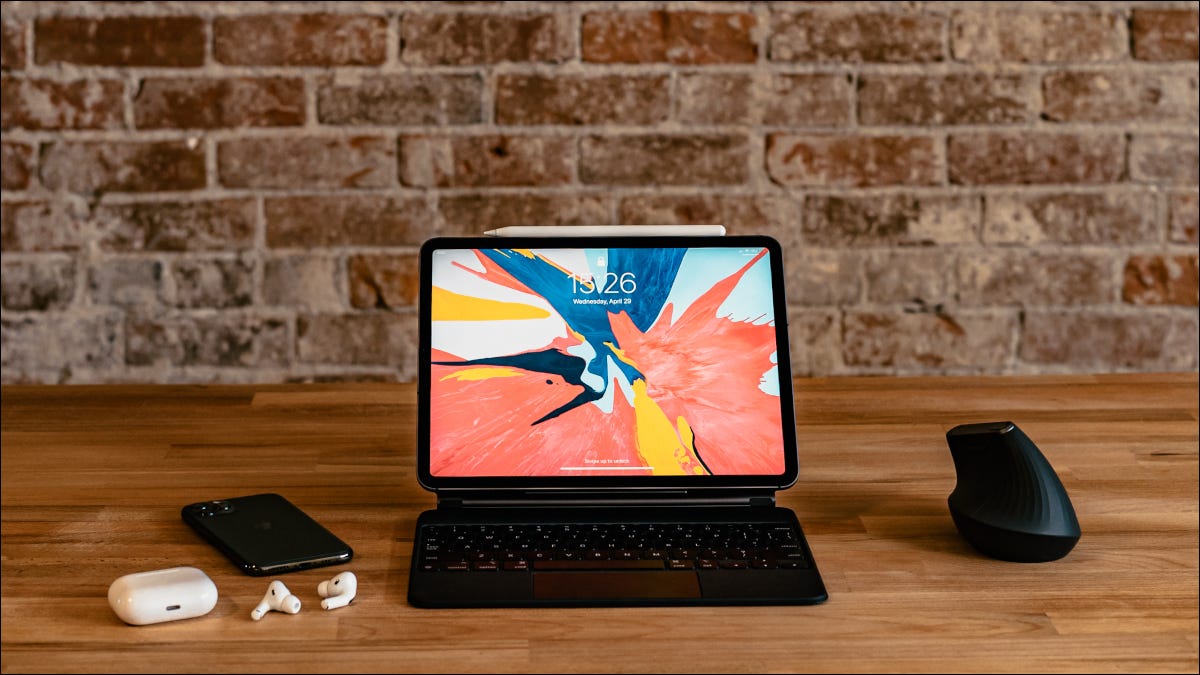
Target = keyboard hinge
(468,499)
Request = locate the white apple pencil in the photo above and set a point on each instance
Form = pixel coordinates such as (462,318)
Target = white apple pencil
(609,230)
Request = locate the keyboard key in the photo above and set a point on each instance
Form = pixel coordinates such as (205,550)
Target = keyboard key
(561,565)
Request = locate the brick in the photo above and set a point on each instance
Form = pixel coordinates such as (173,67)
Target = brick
(1184,211)
(440,99)
(474,161)
(347,220)
(474,214)
(1100,342)
(16,165)
(466,39)
(770,99)
(851,220)
(358,339)
(307,161)
(208,225)
(711,159)
(795,160)
(576,99)
(151,41)
(310,282)
(196,103)
(37,285)
(40,104)
(772,215)
(1162,280)
(693,38)
(960,98)
(210,340)
(870,37)
(212,282)
(1070,218)
(1022,277)
(815,338)
(383,281)
(12,44)
(1032,158)
(1165,34)
(1164,158)
(134,283)
(53,347)
(921,278)
(41,226)
(722,98)
(1031,36)
(928,341)
(300,40)
(822,277)
(1121,97)
(103,166)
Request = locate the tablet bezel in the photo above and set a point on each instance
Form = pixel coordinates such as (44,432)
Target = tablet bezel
(606,483)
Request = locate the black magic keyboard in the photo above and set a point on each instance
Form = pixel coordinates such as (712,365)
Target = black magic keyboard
(602,546)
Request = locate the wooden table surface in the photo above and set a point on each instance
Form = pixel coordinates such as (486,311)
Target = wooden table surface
(94,477)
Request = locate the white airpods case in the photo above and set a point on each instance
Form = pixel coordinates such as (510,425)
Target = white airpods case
(162,595)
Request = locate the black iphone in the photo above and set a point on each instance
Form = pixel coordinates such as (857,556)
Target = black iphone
(266,534)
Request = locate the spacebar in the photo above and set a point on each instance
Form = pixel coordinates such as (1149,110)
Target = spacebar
(544,565)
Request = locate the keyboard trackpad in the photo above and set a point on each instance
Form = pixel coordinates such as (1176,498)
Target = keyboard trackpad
(614,585)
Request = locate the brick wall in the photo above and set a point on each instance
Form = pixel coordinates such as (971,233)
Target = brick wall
(234,191)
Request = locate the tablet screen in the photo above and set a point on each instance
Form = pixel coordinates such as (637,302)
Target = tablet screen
(625,361)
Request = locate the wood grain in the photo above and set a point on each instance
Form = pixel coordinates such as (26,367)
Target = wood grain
(94,477)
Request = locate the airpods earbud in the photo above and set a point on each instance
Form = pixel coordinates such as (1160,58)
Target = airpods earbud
(278,599)
(338,591)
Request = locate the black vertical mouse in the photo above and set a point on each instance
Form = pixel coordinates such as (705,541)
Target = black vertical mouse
(1009,503)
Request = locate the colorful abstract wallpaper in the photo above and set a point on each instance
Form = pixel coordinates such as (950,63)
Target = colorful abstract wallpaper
(604,362)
